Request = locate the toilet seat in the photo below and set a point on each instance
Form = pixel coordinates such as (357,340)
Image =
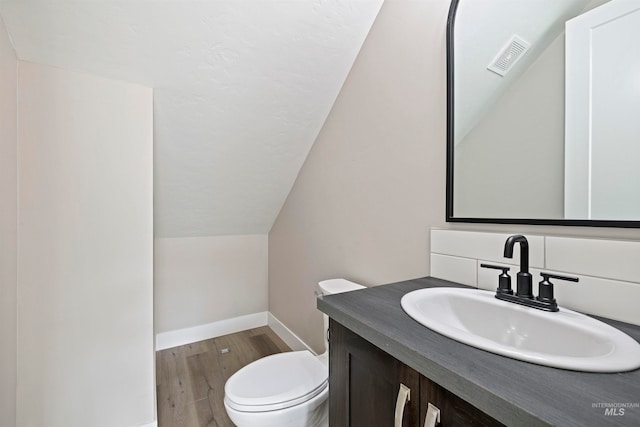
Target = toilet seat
(276,382)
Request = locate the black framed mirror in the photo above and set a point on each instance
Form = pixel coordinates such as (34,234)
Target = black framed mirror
(542,122)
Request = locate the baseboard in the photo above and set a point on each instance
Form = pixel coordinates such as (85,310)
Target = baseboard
(151,424)
(179,337)
(286,335)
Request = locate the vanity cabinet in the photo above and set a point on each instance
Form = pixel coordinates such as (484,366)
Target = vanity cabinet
(453,410)
(364,384)
(369,330)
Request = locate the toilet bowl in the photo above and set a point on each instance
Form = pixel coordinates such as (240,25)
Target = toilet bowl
(286,389)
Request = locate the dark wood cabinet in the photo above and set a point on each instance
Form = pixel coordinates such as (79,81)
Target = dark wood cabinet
(453,410)
(365,381)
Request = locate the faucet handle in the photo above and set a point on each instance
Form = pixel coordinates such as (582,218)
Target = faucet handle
(559,277)
(504,280)
(545,287)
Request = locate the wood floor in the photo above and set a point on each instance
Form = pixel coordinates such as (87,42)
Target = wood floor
(190,379)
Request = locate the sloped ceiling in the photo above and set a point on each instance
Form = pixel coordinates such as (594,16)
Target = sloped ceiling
(241,90)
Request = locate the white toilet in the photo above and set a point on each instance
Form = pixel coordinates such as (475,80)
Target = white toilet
(285,389)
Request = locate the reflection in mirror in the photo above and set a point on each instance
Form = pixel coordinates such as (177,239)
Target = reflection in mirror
(509,96)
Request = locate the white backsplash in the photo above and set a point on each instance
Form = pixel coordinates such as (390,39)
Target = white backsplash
(609,270)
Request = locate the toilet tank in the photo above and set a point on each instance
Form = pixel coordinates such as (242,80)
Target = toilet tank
(337,286)
(331,287)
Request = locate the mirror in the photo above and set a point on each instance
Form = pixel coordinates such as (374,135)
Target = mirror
(543,100)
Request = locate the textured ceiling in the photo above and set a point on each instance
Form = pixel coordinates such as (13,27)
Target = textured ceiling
(241,90)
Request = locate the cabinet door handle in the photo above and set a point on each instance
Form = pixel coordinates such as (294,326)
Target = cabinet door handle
(433,416)
(404,395)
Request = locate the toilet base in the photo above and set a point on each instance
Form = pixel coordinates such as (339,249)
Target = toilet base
(313,413)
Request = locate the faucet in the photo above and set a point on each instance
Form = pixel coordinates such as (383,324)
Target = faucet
(524,287)
(524,294)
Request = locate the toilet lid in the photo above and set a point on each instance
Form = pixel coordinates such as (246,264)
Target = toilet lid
(276,382)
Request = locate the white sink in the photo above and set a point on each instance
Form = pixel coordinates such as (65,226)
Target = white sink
(565,339)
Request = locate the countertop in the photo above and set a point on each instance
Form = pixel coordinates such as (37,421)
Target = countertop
(516,393)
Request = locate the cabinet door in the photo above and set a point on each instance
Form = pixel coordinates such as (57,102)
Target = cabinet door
(364,383)
(453,410)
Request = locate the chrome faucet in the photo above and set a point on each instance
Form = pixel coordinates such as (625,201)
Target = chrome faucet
(524,293)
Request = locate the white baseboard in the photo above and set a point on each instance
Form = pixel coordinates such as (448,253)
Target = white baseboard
(286,335)
(151,424)
(179,337)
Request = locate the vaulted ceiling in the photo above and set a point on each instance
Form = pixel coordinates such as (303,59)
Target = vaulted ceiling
(241,90)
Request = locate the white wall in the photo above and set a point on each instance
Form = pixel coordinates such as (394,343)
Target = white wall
(374,180)
(201,280)
(85,254)
(8,229)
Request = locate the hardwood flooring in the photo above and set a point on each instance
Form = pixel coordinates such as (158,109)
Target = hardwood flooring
(190,379)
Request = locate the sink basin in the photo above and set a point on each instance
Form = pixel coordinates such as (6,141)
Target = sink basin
(565,339)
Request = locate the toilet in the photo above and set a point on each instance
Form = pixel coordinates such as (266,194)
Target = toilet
(286,389)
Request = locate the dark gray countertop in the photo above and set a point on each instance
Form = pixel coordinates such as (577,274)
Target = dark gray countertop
(514,392)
